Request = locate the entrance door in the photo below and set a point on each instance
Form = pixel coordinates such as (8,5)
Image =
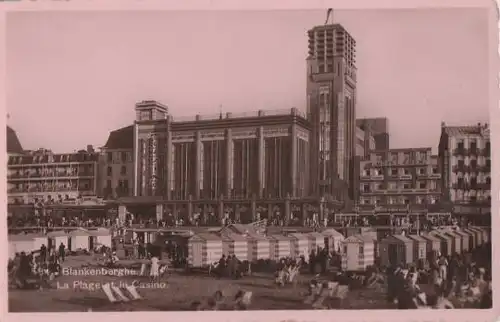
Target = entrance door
(392,251)
(70,244)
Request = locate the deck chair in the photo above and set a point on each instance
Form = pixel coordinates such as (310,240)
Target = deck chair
(109,293)
(120,294)
(133,291)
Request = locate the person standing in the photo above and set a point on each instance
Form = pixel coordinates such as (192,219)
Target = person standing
(154,273)
(62,250)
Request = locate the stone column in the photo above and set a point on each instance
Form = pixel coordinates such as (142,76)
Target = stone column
(260,166)
(237,212)
(122,213)
(293,162)
(321,214)
(168,163)
(197,167)
(174,212)
(221,208)
(229,162)
(159,211)
(190,207)
(270,214)
(287,210)
(304,213)
(253,207)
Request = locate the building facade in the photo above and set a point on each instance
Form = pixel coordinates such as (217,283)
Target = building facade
(399,180)
(45,176)
(262,155)
(365,143)
(465,157)
(116,164)
(378,128)
(331,107)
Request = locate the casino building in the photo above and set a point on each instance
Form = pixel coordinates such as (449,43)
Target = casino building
(253,165)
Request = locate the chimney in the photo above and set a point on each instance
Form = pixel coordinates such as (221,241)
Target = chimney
(90,148)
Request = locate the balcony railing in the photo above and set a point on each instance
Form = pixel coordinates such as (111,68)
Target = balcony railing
(405,177)
(473,151)
(46,189)
(49,175)
(460,151)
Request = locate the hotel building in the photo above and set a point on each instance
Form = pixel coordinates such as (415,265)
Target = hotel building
(399,179)
(116,165)
(45,176)
(465,157)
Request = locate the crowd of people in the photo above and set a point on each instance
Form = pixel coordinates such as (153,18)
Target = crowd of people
(462,280)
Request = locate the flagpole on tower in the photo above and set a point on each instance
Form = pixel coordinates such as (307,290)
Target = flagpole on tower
(329,13)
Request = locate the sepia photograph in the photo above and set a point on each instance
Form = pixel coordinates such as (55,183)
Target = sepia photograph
(232,160)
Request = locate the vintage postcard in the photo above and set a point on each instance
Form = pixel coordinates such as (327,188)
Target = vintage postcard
(295,159)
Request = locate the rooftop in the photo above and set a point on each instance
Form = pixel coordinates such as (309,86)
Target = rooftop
(478,129)
(13,143)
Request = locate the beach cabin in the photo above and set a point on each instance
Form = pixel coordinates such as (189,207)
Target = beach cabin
(464,237)
(358,253)
(472,238)
(300,245)
(419,247)
(235,244)
(396,250)
(456,240)
(279,247)
(316,240)
(433,245)
(484,234)
(21,243)
(79,239)
(478,234)
(258,246)
(204,249)
(100,236)
(56,238)
(333,239)
(446,242)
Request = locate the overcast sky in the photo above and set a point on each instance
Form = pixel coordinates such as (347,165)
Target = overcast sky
(73,77)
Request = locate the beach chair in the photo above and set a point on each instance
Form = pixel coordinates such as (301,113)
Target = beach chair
(109,293)
(119,293)
(133,291)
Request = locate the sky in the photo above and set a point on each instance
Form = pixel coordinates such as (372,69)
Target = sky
(74,76)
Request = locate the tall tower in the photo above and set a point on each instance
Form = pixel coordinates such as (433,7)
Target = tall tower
(331,106)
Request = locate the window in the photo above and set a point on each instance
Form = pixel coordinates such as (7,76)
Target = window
(110,156)
(460,163)
(460,145)
(473,145)
(124,157)
(123,170)
(345,249)
(366,188)
(487,146)
(406,186)
(406,171)
(366,172)
(421,171)
(488,180)
(488,163)
(473,163)
(394,171)
(110,171)
(380,187)
(460,182)
(361,251)
(421,252)
(473,182)
(422,185)
(434,170)
(473,198)
(406,201)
